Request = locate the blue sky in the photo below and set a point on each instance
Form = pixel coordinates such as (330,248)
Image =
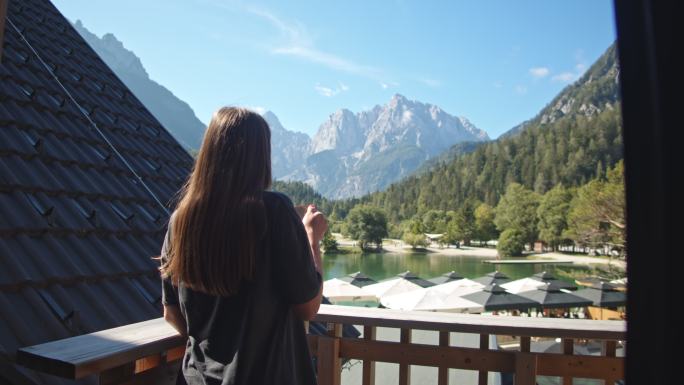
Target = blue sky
(495,62)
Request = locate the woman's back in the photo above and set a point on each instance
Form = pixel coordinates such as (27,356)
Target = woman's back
(241,263)
(253,336)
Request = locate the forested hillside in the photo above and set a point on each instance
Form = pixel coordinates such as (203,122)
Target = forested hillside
(573,140)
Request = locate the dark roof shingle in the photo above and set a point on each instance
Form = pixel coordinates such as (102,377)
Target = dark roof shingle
(78,228)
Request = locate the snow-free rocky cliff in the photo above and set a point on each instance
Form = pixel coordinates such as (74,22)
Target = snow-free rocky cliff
(356,153)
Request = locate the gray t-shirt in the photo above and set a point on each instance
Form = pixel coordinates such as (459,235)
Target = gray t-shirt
(253,337)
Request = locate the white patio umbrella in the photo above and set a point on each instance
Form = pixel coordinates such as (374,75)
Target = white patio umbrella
(456,304)
(522,285)
(391,287)
(430,299)
(460,287)
(338,290)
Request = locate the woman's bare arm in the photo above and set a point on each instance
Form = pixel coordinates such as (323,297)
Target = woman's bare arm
(173,315)
(315,225)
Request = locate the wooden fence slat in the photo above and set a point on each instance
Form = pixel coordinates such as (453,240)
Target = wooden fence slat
(428,355)
(368,375)
(568,350)
(405,369)
(525,343)
(525,369)
(609,350)
(329,364)
(484,345)
(443,371)
(560,365)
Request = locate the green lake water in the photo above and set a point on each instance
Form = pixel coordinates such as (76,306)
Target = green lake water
(429,265)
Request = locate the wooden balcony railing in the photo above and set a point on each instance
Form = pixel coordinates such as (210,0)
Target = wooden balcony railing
(148,352)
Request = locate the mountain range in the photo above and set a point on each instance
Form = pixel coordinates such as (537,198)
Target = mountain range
(173,113)
(352,154)
(574,139)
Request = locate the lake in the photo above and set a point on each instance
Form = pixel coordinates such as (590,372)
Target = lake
(429,265)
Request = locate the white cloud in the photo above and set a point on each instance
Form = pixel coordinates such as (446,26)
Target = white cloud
(330,91)
(431,82)
(565,77)
(297,42)
(498,85)
(520,89)
(539,72)
(384,85)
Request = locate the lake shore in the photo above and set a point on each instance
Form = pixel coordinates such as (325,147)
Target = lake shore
(398,246)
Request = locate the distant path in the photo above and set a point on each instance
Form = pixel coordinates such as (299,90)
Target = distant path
(582,259)
(398,246)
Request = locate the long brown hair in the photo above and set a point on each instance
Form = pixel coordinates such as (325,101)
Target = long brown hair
(220,218)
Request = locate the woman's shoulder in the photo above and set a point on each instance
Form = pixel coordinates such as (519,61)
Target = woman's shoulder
(277,199)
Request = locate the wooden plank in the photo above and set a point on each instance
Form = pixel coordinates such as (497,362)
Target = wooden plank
(560,365)
(443,371)
(368,374)
(117,375)
(163,374)
(147,363)
(94,353)
(609,350)
(473,323)
(335,330)
(525,344)
(329,363)
(568,349)
(428,355)
(484,345)
(175,354)
(405,369)
(525,369)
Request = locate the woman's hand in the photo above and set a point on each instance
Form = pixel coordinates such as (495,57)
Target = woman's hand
(315,224)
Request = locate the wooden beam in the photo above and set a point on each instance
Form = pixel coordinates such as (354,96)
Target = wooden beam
(3,14)
(443,371)
(368,375)
(484,345)
(94,353)
(525,369)
(525,343)
(405,368)
(560,365)
(329,363)
(473,323)
(568,349)
(428,355)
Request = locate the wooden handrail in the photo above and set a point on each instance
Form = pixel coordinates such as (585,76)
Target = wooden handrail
(474,323)
(120,354)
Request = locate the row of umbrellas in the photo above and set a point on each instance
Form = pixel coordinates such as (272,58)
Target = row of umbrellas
(451,292)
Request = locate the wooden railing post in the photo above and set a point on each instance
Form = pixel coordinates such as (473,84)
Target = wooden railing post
(369,334)
(525,369)
(329,363)
(568,350)
(405,369)
(443,372)
(482,374)
(609,348)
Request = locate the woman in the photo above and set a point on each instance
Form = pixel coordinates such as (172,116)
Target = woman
(240,269)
